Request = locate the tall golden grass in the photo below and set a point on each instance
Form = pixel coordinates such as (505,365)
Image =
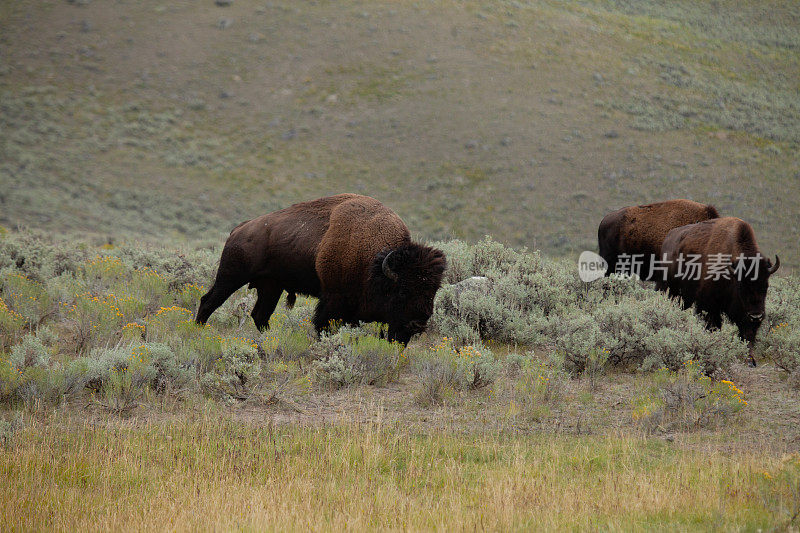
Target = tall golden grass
(208,471)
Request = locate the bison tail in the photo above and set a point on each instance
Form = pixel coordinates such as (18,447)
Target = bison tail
(291,298)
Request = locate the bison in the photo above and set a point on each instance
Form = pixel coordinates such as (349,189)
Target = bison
(350,251)
(640,230)
(730,275)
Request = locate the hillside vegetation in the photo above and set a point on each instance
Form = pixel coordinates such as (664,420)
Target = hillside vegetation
(539,397)
(114,325)
(526,120)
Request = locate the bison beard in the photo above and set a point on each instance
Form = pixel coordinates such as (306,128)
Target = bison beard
(399,291)
(350,251)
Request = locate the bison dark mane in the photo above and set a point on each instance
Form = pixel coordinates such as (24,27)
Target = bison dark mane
(418,268)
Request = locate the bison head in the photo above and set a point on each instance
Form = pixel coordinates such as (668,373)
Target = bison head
(752,276)
(403,284)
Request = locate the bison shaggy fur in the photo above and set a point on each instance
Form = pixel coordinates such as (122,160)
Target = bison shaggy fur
(350,251)
(640,230)
(739,293)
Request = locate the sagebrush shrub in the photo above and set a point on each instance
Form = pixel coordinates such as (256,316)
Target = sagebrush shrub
(352,356)
(445,368)
(10,377)
(438,378)
(781,344)
(149,286)
(539,386)
(25,296)
(294,343)
(472,315)
(168,322)
(577,339)
(779,337)
(534,302)
(232,373)
(783,302)
(94,321)
(31,352)
(130,362)
(34,254)
(11,324)
(190,294)
(70,299)
(38,384)
(508,308)
(175,371)
(656,332)
(284,381)
(686,399)
(105,271)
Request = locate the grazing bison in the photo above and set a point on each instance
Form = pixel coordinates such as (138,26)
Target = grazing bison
(350,251)
(717,266)
(640,230)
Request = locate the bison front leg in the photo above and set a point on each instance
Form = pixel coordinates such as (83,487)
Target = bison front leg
(751,360)
(713,320)
(747,332)
(398,334)
(322,315)
(334,307)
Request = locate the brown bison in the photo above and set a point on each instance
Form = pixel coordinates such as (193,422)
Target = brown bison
(350,251)
(717,266)
(640,230)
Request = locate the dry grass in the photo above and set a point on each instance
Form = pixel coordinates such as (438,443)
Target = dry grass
(208,471)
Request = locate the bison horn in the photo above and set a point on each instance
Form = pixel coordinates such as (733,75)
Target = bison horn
(771,270)
(386,270)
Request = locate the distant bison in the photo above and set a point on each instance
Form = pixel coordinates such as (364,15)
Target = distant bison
(731,276)
(350,251)
(640,230)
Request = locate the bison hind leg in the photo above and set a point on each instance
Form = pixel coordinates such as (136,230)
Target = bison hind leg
(322,316)
(268,296)
(231,276)
(713,320)
(214,298)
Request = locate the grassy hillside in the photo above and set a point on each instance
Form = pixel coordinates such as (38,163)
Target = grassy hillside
(524,120)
